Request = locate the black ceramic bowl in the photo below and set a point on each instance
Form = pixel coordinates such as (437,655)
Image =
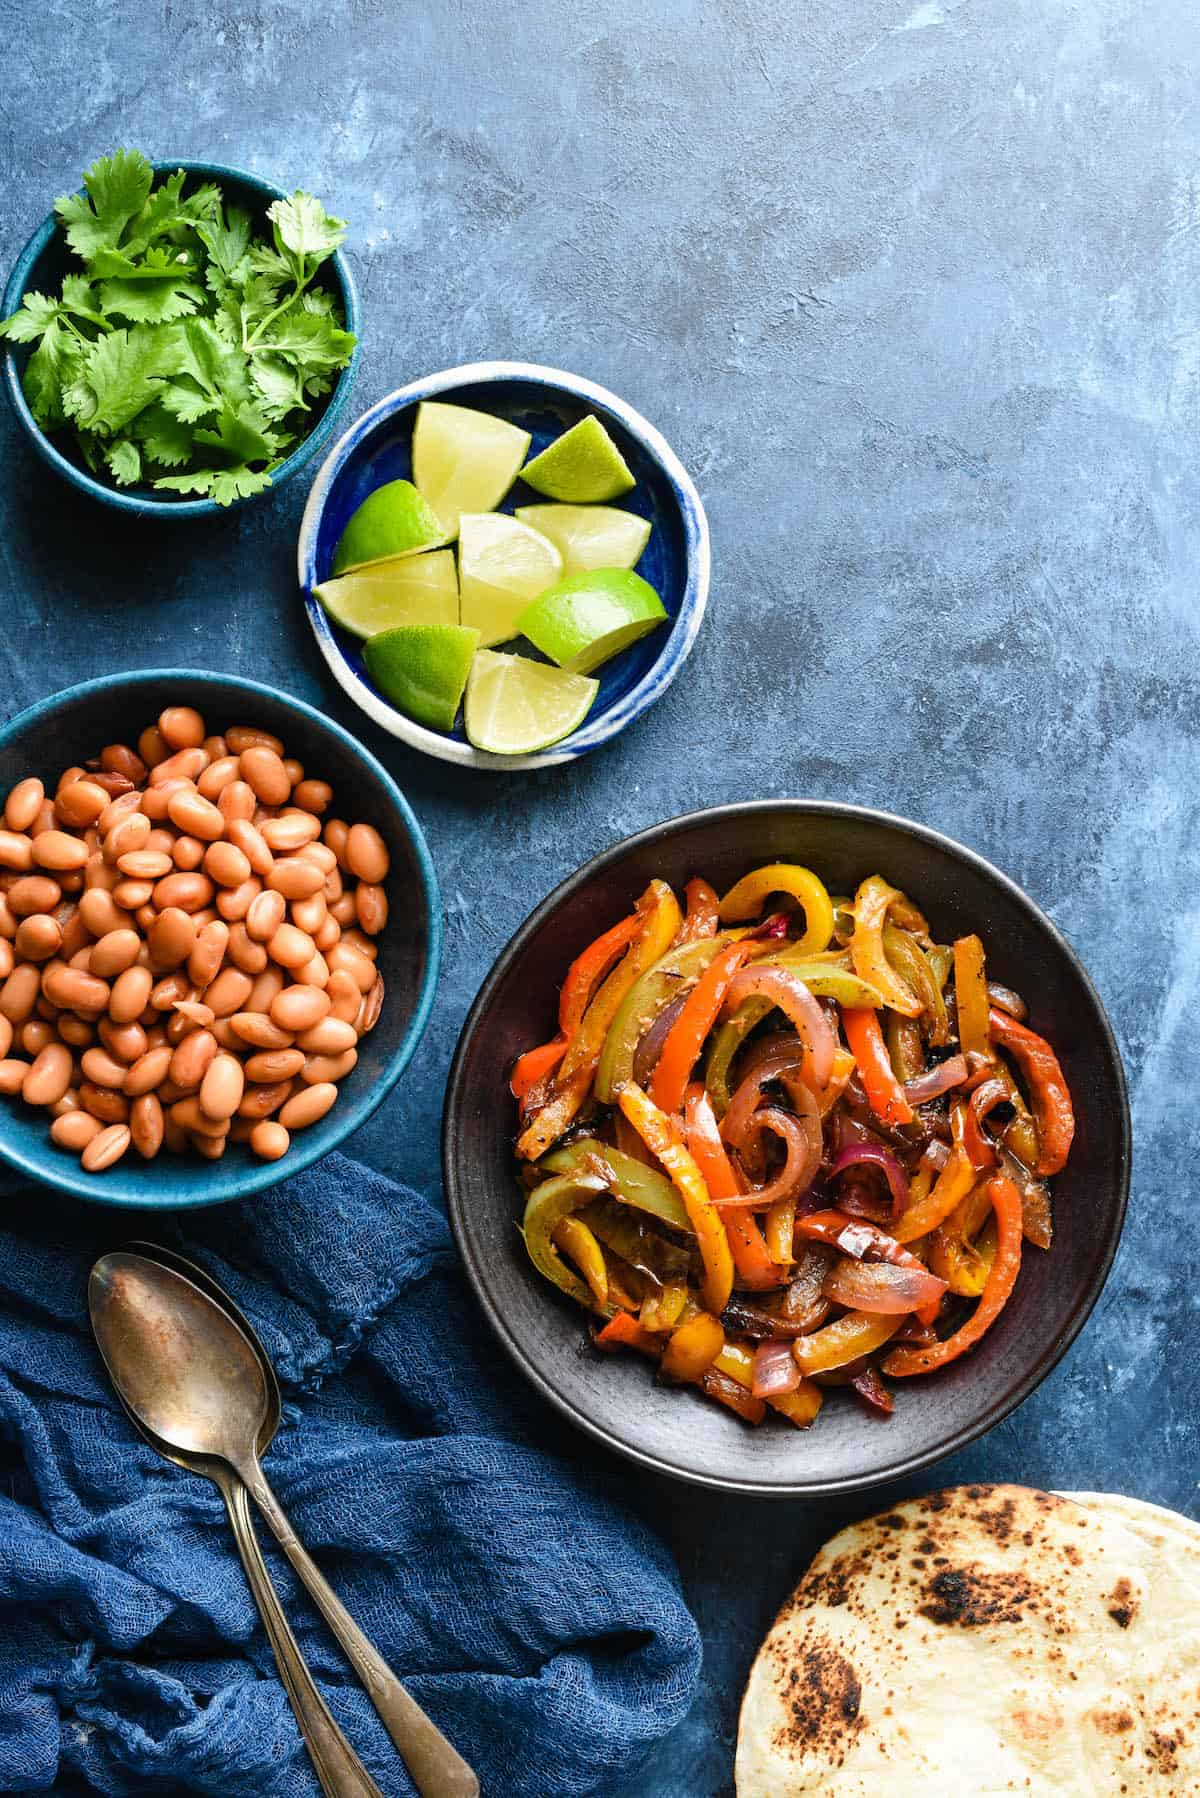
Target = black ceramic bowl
(677,1431)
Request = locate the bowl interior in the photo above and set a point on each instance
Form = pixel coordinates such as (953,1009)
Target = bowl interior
(679,1431)
(116,710)
(55,259)
(383,453)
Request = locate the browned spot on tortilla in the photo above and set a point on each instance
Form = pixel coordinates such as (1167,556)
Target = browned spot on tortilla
(1112,1723)
(1163,1749)
(1123,1608)
(970,1598)
(1037,1726)
(824,1700)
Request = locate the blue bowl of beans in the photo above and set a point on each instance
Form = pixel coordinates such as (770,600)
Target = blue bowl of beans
(219,938)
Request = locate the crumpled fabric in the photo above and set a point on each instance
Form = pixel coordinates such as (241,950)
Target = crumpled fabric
(533,1616)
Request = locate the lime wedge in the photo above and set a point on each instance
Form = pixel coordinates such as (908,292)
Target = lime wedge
(392,521)
(464,461)
(422,669)
(582,465)
(585,620)
(590,536)
(420,589)
(515,706)
(502,565)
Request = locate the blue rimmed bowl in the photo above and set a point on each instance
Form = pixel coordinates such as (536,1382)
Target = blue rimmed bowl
(69,727)
(545,402)
(40,268)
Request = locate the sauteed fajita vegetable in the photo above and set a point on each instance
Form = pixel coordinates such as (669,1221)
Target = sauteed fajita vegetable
(783,1141)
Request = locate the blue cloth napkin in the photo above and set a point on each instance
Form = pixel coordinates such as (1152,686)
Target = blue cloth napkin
(534,1617)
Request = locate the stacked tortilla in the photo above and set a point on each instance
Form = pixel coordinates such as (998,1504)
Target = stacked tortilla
(987,1639)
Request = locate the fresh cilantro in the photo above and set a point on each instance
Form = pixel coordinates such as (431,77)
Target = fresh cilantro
(187,353)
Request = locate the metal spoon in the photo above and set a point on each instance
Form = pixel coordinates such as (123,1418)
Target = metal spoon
(197,1380)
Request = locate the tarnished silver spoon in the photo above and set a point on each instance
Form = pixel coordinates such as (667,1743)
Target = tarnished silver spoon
(196,1379)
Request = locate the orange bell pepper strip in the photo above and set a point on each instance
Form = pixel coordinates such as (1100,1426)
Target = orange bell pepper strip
(755,1269)
(687,1035)
(658,919)
(1006,1203)
(875,1065)
(659,1135)
(585,971)
(624,1331)
(948,1192)
(872,903)
(701,917)
(748,896)
(1049,1095)
(534,1065)
(971,997)
(573,1235)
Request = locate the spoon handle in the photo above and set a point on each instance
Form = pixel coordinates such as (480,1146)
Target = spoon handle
(435,1766)
(341,1773)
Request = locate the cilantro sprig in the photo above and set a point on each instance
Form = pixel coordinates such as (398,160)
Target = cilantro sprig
(188,354)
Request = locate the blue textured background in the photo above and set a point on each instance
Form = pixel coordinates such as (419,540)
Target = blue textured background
(911,285)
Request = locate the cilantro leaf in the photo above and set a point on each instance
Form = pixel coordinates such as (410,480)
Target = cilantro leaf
(47,372)
(32,320)
(151,302)
(222,484)
(117,189)
(167,212)
(309,339)
(303,227)
(125,461)
(241,435)
(279,388)
(163,438)
(117,376)
(227,240)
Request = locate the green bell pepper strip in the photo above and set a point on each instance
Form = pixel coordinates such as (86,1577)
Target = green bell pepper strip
(824,979)
(633,1183)
(671,975)
(546,1207)
(909,960)
(627,1234)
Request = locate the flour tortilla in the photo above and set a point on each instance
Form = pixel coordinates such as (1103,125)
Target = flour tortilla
(985,1640)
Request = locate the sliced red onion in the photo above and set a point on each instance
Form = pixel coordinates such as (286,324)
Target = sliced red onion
(878,1286)
(937,1080)
(870,1154)
(937,1154)
(1007,1000)
(793,998)
(775,1370)
(801,1138)
(645,1056)
(871,1389)
(745,1100)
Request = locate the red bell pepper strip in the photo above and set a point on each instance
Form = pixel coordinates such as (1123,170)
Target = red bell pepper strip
(534,1065)
(686,1037)
(875,1070)
(700,919)
(1006,1203)
(755,1269)
(585,971)
(1049,1095)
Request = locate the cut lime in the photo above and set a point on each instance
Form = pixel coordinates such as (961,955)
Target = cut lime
(393,521)
(502,565)
(582,465)
(590,536)
(464,461)
(585,620)
(422,669)
(515,706)
(420,589)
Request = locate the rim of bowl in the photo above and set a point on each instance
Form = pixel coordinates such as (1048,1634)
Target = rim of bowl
(1021,1388)
(139,504)
(623,711)
(368,1102)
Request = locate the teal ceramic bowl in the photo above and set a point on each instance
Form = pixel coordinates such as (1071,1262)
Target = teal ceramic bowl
(40,268)
(70,727)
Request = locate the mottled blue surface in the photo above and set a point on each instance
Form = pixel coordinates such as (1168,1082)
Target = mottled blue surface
(914,289)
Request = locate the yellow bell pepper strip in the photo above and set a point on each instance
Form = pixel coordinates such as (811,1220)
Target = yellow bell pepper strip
(801,1406)
(883,1090)
(662,1310)
(632,1182)
(954,1254)
(971,997)
(824,979)
(585,972)
(687,1035)
(871,905)
(779,1229)
(624,1331)
(951,1188)
(659,986)
(658,1134)
(845,1339)
(693,1348)
(747,898)
(1049,1095)
(915,969)
(843,1067)
(534,1065)
(701,917)
(755,1269)
(658,910)
(575,1239)
(1006,1203)
(545,1208)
